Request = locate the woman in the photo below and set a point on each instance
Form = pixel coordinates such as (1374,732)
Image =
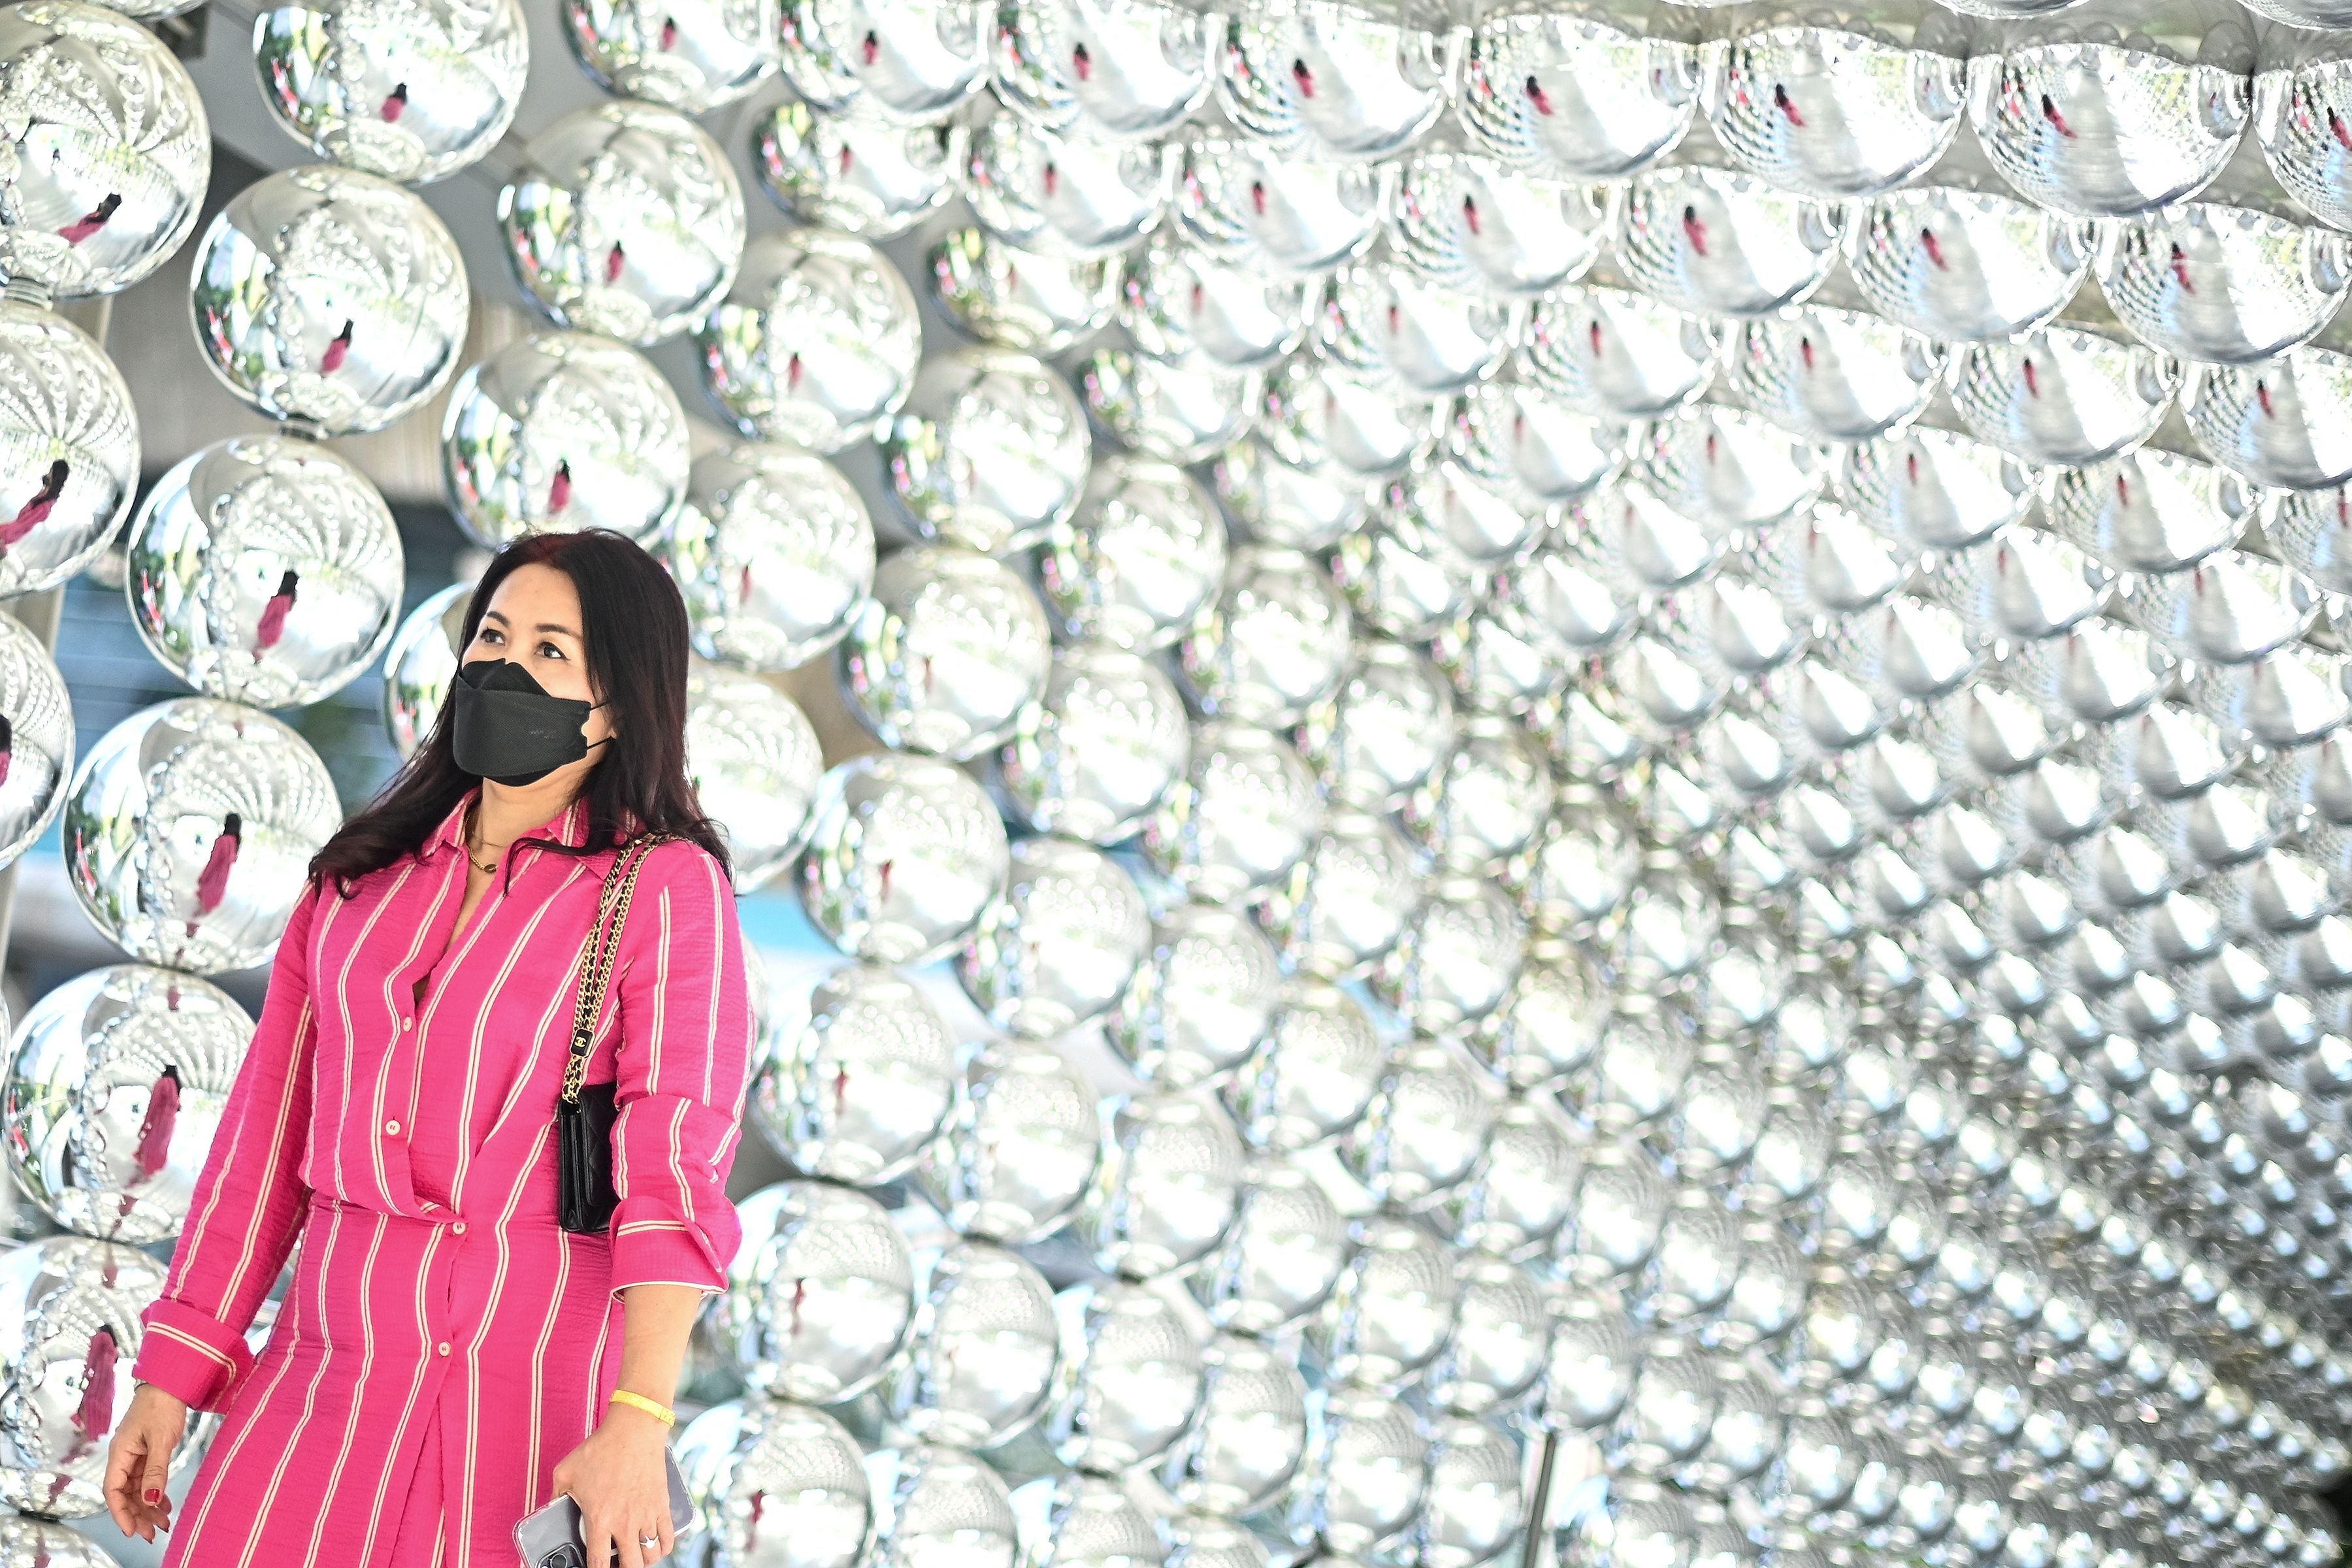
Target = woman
(448,1358)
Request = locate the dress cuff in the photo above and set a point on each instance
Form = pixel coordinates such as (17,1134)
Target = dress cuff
(190,1355)
(654,1251)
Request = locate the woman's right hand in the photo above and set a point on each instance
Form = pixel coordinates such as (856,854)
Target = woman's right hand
(139,1461)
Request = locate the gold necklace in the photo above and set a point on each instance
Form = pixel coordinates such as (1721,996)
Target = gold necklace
(476,865)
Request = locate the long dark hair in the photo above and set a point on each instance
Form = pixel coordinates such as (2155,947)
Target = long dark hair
(634,623)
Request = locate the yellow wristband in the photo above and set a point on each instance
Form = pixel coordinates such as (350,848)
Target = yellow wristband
(653,1407)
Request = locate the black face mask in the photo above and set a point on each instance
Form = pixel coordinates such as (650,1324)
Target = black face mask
(509,729)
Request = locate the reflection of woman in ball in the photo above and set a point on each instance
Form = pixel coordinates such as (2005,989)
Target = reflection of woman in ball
(450,1357)
(272,622)
(35,511)
(90,222)
(155,1128)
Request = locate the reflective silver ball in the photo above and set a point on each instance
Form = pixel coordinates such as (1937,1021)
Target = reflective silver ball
(1202,999)
(765,1470)
(1124,70)
(1084,1522)
(1327,79)
(1578,96)
(53,1545)
(937,1507)
(1025,301)
(1612,353)
(1425,1129)
(1276,644)
(857,173)
(1384,731)
(1426,337)
(420,665)
(1278,214)
(1849,113)
(187,828)
(980,1360)
(1019,1149)
(559,432)
(1130,1376)
(1343,906)
(1474,1512)
(625,219)
(1179,412)
(1068,194)
(107,150)
(691,55)
(1365,1473)
(70,442)
(1473,223)
(1550,1025)
(1964,264)
(754,762)
(1250,1433)
(989,452)
(816,344)
(1245,813)
(1181,300)
(2065,396)
(1057,948)
(1168,1187)
(117,1081)
(904,853)
(265,570)
(912,64)
(854,1093)
(949,654)
(1313,1075)
(1489,802)
(36,747)
(773,553)
(331,298)
(1533,444)
(1457,957)
(821,1296)
(1136,562)
(1101,749)
(2128,128)
(1516,1199)
(1720,242)
(413,92)
(70,1331)
(1282,1256)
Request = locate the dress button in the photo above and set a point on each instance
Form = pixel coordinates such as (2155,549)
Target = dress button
(407,1025)
(391,1128)
(443,1347)
(458,1229)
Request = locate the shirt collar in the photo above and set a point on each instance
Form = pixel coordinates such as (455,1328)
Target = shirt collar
(451,834)
(570,829)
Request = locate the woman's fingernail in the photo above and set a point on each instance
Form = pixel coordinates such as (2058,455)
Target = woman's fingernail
(154,1496)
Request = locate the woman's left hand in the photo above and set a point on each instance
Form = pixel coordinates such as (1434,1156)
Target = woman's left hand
(622,1485)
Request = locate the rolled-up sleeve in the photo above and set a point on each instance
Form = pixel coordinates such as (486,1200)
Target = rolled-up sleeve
(250,1201)
(683,1063)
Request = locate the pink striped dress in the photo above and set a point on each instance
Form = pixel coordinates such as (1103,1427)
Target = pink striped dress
(443,1341)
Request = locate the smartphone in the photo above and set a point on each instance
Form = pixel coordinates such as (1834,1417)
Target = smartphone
(551,1538)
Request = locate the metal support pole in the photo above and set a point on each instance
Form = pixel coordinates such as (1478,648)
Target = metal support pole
(1533,1543)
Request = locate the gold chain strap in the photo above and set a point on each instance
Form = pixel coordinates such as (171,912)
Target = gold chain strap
(596,956)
